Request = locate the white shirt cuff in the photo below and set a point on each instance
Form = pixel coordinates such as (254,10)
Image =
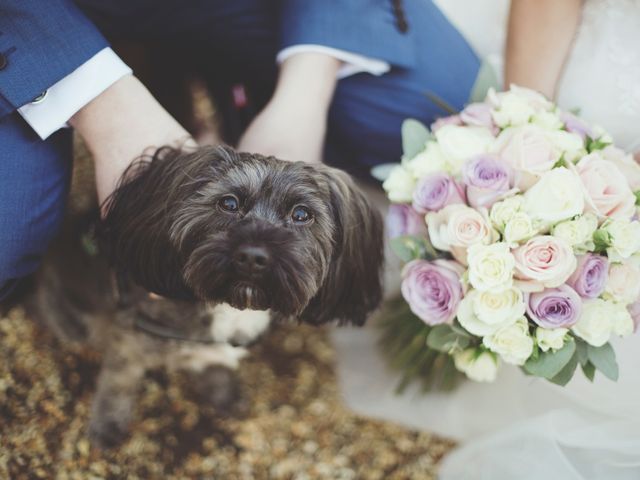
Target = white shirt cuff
(50,111)
(352,62)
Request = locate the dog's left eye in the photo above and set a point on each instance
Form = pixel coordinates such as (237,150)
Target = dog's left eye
(301,214)
(229,203)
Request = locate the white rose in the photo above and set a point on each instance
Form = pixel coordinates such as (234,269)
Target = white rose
(491,267)
(623,283)
(568,144)
(547,120)
(624,237)
(479,367)
(555,197)
(550,338)
(502,212)
(400,185)
(516,106)
(596,322)
(483,313)
(513,343)
(519,228)
(623,322)
(578,232)
(600,134)
(430,160)
(459,144)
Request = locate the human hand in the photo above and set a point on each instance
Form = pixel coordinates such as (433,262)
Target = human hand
(119,125)
(293,125)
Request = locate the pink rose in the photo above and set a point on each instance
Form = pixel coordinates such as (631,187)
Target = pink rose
(607,191)
(529,151)
(436,191)
(543,262)
(433,289)
(625,162)
(623,285)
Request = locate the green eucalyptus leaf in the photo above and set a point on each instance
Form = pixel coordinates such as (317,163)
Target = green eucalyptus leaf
(486,79)
(414,137)
(549,364)
(589,371)
(604,359)
(601,240)
(382,172)
(581,351)
(444,339)
(566,374)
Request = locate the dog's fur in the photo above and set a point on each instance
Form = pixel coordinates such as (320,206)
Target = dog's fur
(165,229)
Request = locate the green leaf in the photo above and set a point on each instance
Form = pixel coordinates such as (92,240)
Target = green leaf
(549,364)
(581,351)
(589,371)
(637,194)
(604,359)
(382,172)
(409,247)
(560,162)
(596,144)
(602,240)
(444,339)
(566,374)
(414,137)
(485,80)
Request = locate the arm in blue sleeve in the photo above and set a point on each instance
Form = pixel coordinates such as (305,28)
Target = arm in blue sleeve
(41,42)
(372,28)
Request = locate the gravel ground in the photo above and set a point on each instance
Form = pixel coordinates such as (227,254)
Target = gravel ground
(291,425)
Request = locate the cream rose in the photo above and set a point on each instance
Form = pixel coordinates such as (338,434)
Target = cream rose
(519,228)
(570,145)
(478,366)
(458,225)
(623,283)
(459,144)
(622,322)
(596,322)
(624,238)
(543,262)
(517,106)
(483,313)
(430,160)
(555,197)
(550,339)
(502,212)
(490,267)
(400,185)
(547,120)
(513,343)
(607,190)
(578,232)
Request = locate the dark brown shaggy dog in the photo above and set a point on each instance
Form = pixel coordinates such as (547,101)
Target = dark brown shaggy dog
(234,239)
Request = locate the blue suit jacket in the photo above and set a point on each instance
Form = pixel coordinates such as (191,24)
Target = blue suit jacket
(42,41)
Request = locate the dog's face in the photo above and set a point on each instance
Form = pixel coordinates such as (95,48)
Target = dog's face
(251,231)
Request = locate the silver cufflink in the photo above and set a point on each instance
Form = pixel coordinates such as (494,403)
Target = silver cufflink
(40,98)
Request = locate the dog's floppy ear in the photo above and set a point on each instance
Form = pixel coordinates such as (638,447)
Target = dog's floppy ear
(137,224)
(353,286)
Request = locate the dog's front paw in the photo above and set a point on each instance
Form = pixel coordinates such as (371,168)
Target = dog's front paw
(106,433)
(217,386)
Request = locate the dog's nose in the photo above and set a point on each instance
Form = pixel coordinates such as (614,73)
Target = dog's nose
(251,259)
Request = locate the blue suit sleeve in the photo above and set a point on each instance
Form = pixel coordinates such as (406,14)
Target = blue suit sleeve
(42,41)
(367,27)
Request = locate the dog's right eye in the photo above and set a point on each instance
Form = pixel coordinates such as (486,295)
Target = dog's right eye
(229,203)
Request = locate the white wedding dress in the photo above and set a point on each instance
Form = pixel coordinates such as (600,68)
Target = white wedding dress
(519,427)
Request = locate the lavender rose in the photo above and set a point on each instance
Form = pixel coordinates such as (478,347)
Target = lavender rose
(432,289)
(479,115)
(590,276)
(404,220)
(576,125)
(487,180)
(436,191)
(559,307)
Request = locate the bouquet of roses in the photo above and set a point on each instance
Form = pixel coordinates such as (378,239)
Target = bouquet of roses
(518,225)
